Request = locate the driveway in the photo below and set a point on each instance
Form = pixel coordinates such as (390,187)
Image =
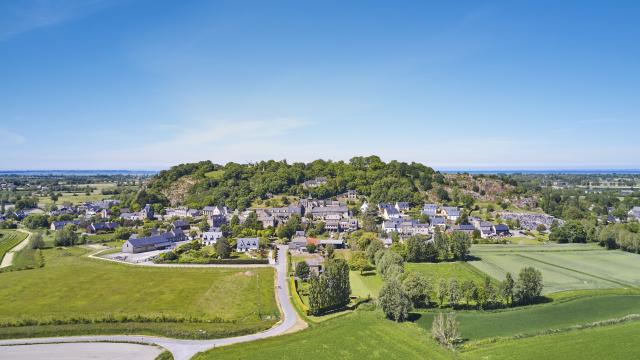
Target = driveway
(185,349)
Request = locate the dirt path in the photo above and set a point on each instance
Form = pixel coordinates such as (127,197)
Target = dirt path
(7,260)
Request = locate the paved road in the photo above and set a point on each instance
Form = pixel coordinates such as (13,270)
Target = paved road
(185,349)
(7,260)
(81,351)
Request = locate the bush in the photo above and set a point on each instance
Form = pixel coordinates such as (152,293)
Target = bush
(445,329)
(394,301)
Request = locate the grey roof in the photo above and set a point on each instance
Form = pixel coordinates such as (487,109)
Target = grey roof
(151,240)
(436,220)
(501,227)
(247,242)
(465,227)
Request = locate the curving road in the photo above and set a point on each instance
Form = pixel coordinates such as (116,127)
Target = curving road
(185,349)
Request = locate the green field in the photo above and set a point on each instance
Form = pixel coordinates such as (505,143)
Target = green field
(187,302)
(360,335)
(9,239)
(446,270)
(563,267)
(365,285)
(610,342)
(476,325)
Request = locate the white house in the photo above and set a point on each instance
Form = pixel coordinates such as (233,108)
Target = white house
(246,244)
(211,237)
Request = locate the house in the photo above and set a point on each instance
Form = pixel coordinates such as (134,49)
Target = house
(215,211)
(364,207)
(388,211)
(430,210)
(451,213)
(181,224)
(319,181)
(352,195)
(246,244)
(338,244)
(437,221)
(465,228)
(485,228)
(101,226)
(151,243)
(501,230)
(634,213)
(58,225)
(147,212)
(211,237)
(315,266)
(298,243)
(402,206)
(387,242)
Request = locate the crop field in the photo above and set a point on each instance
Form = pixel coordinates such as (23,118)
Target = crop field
(9,239)
(563,267)
(361,335)
(476,325)
(72,290)
(609,342)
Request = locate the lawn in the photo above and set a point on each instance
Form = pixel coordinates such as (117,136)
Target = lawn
(476,325)
(365,285)
(563,267)
(360,335)
(189,302)
(609,342)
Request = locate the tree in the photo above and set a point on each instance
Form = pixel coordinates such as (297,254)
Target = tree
(36,241)
(529,286)
(330,290)
(460,245)
(442,291)
(394,301)
(416,286)
(490,292)
(122,233)
(311,248)
(570,232)
(223,249)
(419,248)
(445,329)
(394,271)
(302,270)
(454,293)
(67,236)
(330,249)
(388,258)
(507,288)
(467,291)
(371,219)
(359,262)
(35,221)
(373,247)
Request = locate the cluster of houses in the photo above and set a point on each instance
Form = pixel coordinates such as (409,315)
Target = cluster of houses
(397,220)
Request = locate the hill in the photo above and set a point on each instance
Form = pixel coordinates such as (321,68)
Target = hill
(238,185)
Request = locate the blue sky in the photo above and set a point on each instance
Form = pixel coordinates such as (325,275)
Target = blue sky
(453,84)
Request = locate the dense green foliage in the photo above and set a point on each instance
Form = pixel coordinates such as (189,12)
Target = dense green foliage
(239,185)
(330,290)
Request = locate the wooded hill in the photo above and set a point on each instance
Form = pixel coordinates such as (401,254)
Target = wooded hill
(238,185)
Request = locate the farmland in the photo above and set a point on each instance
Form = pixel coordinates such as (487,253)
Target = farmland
(361,335)
(475,325)
(563,267)
(76,295)
(609,342)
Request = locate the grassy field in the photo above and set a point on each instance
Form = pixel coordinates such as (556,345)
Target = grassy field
(563,267)
(366,284)
(610,342)
(216,174)
(476,325)
(187,302)
(446,270)
(360,335)
(9,239)
(81,196)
